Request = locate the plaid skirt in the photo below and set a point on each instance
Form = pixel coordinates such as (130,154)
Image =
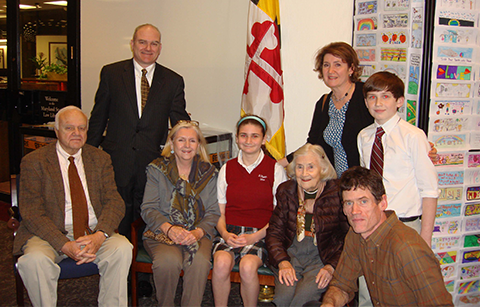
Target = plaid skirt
(257,248)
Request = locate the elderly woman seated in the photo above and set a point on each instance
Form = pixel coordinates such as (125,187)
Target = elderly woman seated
(307,229)
(180,209)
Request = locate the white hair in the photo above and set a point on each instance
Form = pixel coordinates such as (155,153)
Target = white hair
(65,109)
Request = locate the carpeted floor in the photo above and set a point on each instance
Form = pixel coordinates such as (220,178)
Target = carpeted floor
(81,291)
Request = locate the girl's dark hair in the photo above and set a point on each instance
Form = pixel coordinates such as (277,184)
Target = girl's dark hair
(256,121)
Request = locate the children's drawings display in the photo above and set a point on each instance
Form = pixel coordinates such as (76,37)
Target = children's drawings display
(454,128)
(395,21)
(472,209)
(450,194)
(473,160)
(366,7)
(472,193)
(388,36)
(449,257)
(471,240)
(446,227)
(467,300)
(449,124)
(366,40)
(469,286)
(450,159)
(449,272)
(443,243)
(470,271)
(366,23)
(455,36)
(453,54)
(472,224)
(471,256)
(454,72)
(449,141)
(452,90)
(448,210)
(451,107)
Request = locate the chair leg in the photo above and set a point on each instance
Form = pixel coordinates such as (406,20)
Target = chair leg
(19,285)
(133,280)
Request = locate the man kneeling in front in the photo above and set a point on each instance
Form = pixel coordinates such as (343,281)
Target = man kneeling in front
(399,267)
(70,207)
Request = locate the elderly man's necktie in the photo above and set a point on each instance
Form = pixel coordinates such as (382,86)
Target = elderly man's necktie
(79,201)
(376,159)
(145,88)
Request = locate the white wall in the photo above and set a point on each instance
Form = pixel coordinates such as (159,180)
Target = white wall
(204,41)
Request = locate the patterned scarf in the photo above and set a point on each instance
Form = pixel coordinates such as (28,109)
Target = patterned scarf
(186,206)
(301,223)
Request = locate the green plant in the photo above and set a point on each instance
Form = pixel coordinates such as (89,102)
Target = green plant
(59,69)
(39,61)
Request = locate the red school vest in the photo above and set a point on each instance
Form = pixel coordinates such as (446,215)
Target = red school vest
(249,196)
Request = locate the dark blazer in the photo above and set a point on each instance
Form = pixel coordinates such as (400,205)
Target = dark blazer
(42,196)
(130,138)
(330,224)
(357,117)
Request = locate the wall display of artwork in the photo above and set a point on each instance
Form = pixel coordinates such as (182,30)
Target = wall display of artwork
(454,129)
(389,36)
(397,27)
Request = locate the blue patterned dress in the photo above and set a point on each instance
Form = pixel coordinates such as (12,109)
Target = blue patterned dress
(333,136)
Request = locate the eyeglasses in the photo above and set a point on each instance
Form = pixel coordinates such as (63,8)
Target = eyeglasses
(191,122)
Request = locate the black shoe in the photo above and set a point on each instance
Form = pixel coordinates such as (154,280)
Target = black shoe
(144,289)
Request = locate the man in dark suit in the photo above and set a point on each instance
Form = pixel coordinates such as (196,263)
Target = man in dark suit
(49,231)
(135,133)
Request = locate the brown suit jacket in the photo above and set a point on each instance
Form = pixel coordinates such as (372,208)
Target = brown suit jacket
(42,196)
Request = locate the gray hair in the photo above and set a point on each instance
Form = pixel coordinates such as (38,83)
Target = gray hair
(65,109)
(327,173)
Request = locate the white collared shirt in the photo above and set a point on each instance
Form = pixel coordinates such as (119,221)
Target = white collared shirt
(408,172)
(138,82)
(64,163)
(279,174)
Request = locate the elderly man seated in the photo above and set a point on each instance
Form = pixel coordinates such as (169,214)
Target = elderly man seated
(70,207)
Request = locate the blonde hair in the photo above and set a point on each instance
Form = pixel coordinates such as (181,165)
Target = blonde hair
(327,173)
(186,124)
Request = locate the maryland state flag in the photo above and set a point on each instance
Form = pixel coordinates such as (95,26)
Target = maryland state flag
(263,89)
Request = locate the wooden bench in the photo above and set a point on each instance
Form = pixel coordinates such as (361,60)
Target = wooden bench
(142,263)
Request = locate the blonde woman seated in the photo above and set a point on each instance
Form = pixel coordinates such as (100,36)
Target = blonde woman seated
(180,209)
(246,189)
(307,229)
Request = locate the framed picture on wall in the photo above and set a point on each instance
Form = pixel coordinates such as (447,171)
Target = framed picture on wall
(2,58)
(57,53)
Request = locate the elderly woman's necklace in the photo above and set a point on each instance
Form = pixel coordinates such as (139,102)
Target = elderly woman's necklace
(310,195)
(335,99)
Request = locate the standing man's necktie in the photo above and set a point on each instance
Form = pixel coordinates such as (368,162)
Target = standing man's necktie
(376,160)
(145,88)
(79,201)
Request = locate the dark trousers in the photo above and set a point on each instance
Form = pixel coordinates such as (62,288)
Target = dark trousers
(132,195)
